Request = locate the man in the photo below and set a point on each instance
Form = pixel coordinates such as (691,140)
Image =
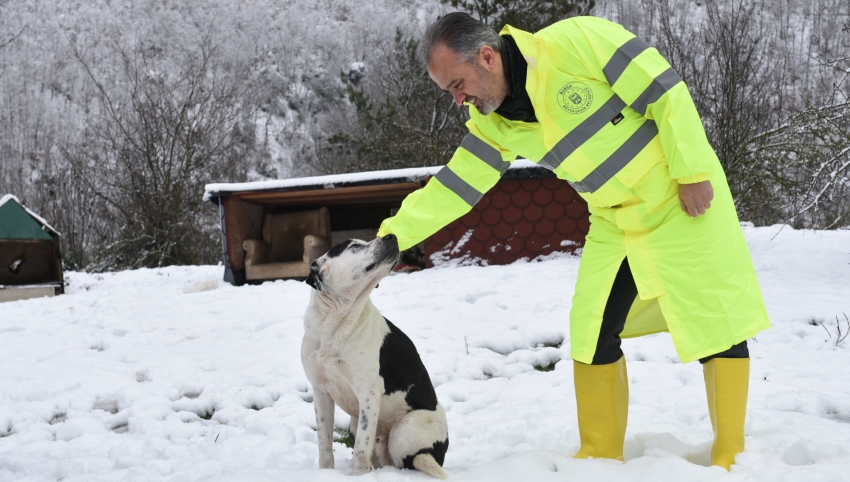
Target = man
(665,252)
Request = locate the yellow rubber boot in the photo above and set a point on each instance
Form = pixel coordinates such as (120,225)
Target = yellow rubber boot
(726,384)
(602,400)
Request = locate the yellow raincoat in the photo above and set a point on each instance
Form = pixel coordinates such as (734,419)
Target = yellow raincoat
(618,123)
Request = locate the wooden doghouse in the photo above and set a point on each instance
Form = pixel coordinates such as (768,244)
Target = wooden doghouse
(30,262)
(528,214)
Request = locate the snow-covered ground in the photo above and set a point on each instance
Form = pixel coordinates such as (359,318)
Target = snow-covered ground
(129,377)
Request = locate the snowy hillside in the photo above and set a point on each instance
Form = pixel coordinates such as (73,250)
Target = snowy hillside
(131,377)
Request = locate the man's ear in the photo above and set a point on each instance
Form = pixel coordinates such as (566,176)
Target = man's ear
(488,55)
(314,279)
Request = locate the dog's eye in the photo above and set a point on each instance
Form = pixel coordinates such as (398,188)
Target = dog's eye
(370,267)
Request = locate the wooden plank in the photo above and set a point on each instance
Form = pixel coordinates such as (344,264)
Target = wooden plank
(24,293)
(242,221)
(338,195)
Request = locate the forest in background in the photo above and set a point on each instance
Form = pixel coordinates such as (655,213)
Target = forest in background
(114,114)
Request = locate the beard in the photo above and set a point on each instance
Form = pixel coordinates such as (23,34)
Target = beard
(493,91)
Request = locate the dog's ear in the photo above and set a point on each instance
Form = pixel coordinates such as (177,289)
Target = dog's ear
(314,279)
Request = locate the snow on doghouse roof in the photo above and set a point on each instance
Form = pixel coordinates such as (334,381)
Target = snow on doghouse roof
(39,219)
(337,180)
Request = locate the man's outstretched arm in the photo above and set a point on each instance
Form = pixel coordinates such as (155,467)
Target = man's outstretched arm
(476,166)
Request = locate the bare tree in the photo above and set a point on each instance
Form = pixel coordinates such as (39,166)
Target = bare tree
(738,90)
(779,126)
(63,195)
(403,118)
(530,15)
(155,142)
(823,198)
(4,41)
(813,146)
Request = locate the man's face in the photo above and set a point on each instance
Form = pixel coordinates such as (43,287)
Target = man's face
(480,82)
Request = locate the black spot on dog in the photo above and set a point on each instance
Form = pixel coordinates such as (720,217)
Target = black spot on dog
(339,248)
(371,267)
(438,451)
(403,370)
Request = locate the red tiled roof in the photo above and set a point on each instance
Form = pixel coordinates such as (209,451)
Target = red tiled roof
(514,220)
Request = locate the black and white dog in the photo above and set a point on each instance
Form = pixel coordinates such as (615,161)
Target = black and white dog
(356,358)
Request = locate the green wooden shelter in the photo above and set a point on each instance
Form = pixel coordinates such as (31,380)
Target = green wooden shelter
(30,262)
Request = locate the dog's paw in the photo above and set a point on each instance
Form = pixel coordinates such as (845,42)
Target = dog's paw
(360,470)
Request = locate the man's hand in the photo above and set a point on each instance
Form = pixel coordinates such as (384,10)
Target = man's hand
(696,198)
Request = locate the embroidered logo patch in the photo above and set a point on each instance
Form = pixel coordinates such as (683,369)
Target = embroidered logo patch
(575,97)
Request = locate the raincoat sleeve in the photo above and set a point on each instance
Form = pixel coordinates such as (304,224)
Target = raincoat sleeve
(475,167)
(646,82)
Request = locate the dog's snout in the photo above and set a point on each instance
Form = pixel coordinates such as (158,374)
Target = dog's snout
(389,237)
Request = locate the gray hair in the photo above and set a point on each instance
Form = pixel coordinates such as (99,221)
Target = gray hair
(462,34)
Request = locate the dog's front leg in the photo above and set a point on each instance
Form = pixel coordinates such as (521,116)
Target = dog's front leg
(324,406)
(364,444)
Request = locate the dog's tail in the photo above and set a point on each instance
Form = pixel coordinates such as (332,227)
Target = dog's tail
(426,463)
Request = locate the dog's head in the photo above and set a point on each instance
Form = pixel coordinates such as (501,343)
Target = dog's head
(354,266)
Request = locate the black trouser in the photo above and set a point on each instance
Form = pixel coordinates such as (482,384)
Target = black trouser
(620,300)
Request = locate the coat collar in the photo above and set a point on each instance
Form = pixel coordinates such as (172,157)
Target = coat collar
(517,104)
(525,41)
